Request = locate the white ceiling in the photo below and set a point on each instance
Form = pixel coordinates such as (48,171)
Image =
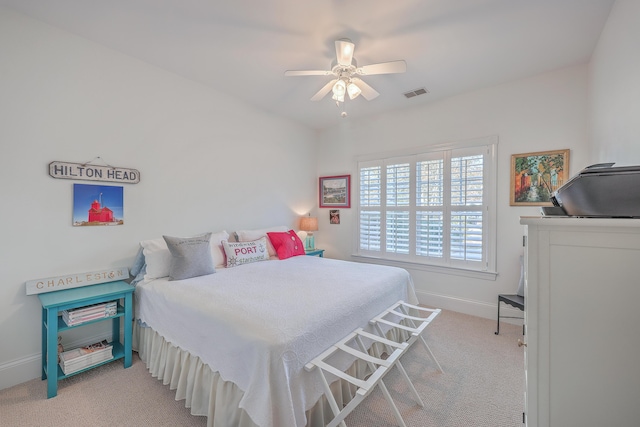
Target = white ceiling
(243,47)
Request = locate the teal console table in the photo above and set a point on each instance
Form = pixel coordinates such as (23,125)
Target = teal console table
(55,302)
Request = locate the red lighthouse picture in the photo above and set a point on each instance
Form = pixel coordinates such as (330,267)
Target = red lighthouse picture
(97,205)
(97,213)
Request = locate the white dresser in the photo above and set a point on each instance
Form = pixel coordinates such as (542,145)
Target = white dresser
(582,316)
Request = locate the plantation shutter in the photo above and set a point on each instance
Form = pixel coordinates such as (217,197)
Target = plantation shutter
(430,208)
(398,200)
(466,208)
(370,208)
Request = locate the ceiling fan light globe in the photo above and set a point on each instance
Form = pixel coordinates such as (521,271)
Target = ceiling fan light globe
(344,51)
(353,90)
(339,88)
(339,98)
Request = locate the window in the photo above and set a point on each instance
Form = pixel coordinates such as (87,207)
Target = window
(435,207)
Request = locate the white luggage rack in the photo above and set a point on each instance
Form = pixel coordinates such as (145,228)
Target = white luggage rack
(378,367)
(397,316)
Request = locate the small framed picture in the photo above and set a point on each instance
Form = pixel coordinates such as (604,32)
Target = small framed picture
(334,216)
(535,176)
(335,191)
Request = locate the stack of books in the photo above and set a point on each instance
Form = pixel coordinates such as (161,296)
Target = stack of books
(91,312)
(80,358)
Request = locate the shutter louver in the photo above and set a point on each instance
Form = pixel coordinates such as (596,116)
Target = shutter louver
(466,181)
(466,236)
(429,183)
(398,185)
(370,238)
(429,234)
(397,232)
(370,186)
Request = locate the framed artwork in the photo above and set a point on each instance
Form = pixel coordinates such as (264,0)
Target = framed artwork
(335,191)
(535,176)
(97,205)
(334,216)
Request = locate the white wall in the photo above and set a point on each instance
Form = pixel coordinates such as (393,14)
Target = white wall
(614,88)
(545,112)
(207,163)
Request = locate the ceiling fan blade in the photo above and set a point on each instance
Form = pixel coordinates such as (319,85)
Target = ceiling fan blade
(293,73)
(383,68)
(325,90)
(344,51)
(368,92)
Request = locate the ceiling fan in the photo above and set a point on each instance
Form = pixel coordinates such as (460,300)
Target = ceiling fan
(347,74)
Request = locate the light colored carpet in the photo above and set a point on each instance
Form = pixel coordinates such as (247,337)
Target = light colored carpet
(482,385)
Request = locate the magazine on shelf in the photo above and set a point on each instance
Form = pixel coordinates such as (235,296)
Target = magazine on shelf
(76,353)
(105,307)
(87,361)
(84,361)
(85,314)
(79,320)
(83,364)
(80,358)
(92,306)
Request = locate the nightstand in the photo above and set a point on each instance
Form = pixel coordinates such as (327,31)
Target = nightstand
(315,252)
(55,302)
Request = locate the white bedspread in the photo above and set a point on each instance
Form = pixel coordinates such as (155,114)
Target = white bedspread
(259,324)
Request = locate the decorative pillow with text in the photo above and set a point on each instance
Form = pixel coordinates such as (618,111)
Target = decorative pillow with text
(251,235)
(239,253)
(157,258)
(190,256)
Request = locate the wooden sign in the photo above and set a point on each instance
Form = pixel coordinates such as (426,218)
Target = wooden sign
(89,172)
(59,283)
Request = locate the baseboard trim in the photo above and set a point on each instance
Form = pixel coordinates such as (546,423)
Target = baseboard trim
(471,307)
(20,370)
(29,367)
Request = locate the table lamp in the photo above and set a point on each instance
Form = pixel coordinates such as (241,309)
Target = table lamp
(309,224)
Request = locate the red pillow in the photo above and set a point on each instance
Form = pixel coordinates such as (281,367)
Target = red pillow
(286,244)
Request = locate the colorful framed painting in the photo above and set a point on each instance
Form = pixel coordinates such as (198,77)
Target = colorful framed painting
(535,176)
(335,191)
(97,205)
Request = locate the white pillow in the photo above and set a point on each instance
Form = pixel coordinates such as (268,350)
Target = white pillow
(217,251)
(158,258)
(239,253)
(251,235)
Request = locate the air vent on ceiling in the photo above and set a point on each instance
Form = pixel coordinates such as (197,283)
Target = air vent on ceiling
(416,92)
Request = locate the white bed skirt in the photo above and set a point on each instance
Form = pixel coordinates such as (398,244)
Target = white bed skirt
(207,394)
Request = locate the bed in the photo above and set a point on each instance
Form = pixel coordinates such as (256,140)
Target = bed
(234,343)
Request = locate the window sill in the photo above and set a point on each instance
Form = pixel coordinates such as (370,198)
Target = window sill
(475,274)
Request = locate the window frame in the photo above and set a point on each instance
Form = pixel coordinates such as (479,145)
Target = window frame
(487,268)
